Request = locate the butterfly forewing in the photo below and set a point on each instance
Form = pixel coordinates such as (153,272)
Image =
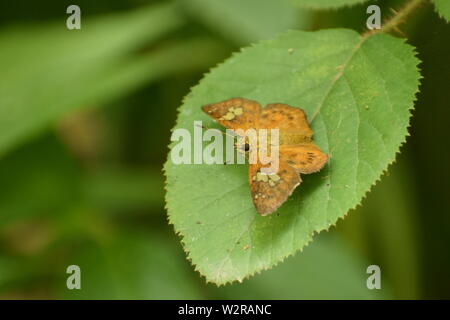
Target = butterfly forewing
(291,122)
(235,113)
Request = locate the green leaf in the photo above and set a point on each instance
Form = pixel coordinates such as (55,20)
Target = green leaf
(246,21)
(49,70)
(443,8)
(357,93)
(326,4)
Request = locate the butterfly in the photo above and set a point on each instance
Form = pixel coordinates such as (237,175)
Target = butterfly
(296,152)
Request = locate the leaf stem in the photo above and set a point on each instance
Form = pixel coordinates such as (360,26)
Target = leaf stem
(399,17)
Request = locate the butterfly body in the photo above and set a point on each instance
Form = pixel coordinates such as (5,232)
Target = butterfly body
(297,154)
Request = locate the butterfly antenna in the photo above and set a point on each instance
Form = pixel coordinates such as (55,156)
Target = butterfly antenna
(224,133)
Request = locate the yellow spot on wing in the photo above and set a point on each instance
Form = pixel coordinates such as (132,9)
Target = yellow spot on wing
(228,116)
(274,177)
(238,111)
(261,177)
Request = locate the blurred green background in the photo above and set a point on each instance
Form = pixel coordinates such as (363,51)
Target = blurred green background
(85,119)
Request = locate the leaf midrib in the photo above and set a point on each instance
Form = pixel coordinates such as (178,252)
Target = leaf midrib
(338,76)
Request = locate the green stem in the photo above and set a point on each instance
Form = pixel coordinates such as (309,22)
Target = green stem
(401,15)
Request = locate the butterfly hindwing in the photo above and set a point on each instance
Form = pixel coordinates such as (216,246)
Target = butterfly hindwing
(305,158)
(235,113)
(270,191)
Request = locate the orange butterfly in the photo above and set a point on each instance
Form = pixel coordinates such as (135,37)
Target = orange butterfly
(297,153)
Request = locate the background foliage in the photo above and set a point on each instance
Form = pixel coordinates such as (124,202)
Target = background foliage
(85,120)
